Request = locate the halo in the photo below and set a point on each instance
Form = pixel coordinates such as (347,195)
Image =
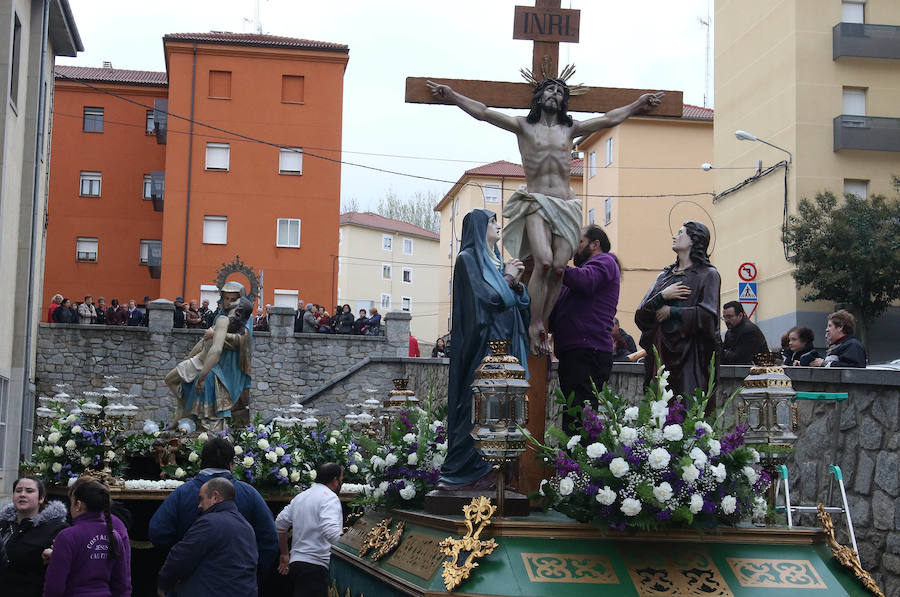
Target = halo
(709,222)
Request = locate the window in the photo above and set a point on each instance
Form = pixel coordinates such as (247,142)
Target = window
(15,59)
(607,211)
(592,164)
(608,152)
(591,216)
(209,292)
(86,249)
(386,271)
(406,304)
(291,89)
(217,156)
(215,230)
(286,298)
(220,84)
(854,101)
(90,184)
(148,186)
(146,249)
(491,193)
(407,246)
(387,242)
(407,275)
(290,160)
(853,11)
(860,188)
(385,302)
(150,129)
(93,120)
(288,233)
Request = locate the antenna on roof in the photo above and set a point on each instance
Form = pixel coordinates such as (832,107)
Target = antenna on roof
(107,64)
(255,22)
(705,23)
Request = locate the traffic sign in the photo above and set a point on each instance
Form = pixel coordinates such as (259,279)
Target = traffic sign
(747,292)
(747,272)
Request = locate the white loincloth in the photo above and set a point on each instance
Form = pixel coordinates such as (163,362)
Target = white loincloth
(189,369)
(562,215)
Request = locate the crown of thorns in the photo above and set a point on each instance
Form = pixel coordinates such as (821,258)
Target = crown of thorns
(564,76)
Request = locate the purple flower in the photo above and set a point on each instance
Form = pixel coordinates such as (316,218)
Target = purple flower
(591,489)
(762,482)
(708,507)
(593,426)
(699,432)
(565,465)
(663,515)
(735,439)
(676,414)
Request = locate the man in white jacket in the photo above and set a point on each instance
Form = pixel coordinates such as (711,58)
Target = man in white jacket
(317,520)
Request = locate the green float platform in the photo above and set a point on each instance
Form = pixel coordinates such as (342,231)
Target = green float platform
(550,554)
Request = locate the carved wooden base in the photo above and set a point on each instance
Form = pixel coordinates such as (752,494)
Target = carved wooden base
(443,502)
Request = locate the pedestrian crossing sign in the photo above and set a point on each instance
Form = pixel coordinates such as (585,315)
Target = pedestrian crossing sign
(747,292)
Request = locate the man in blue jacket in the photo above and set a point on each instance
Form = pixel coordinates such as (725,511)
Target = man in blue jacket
(179,511)
(217,556)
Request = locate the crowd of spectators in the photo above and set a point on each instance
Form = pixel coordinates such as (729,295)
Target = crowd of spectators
(62,310)
(311,318)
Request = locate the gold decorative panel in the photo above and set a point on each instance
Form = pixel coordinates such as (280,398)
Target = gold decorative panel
(418,554)
(674,572)
(775,574)
(569,567)
(356,534)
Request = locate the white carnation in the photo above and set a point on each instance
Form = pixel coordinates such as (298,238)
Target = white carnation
(383,486)
(715,447)
(357,457)
(203,437)
(332,440)
(566,486)
(283,472)
(412,459)
(70,445)
(573,441)
(76,429)
(335,433)
(192,457)
(53,437)
(659,458)
(698,456)
(353,468)
(111,455)
(442,447)
(729,503)
(606,496)
(703,425)
(618,467)
(263,444)
(179,472)
(437,461)
(630,507)
(696,503)
(720,472)
(279,451)
(295,476)
(71,419)
(631,414)
(750,473)
(673,433)
(690,473)
(260,427)
(596,450)
(659,410)
(271,457)
(312,475)
(408,492)
(390,459)
(755,455)
(56,467)
(628,435)
(663,492)
(760,508)
(410,438)
(85,460)
(247,462)
(238,450)
(57,451)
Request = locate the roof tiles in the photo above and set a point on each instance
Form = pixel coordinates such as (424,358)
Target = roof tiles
(112,75)
(256,39)
(370,220)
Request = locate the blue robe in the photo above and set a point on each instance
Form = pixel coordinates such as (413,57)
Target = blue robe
(227,371)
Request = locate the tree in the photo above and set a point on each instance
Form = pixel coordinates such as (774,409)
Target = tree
(348,205)
(417,210)
(848,254)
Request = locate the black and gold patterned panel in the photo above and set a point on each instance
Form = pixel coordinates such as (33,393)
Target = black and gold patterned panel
(776,574)
(569,568)
(666,571)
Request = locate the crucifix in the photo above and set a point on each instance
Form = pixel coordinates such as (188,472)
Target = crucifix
(543,221)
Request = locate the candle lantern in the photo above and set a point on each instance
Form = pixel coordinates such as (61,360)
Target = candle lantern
(399,399)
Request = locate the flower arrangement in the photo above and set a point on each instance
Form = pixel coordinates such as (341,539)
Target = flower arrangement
(657,464)
(265,457)
(319,445)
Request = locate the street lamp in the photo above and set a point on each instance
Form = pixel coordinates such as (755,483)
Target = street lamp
(745,136)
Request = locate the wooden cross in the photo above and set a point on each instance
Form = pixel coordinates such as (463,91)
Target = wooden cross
(546,24)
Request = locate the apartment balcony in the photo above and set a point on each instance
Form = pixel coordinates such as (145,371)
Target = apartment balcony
(154,260)
(157,189)
(161,119)
(866,132)
(866,41)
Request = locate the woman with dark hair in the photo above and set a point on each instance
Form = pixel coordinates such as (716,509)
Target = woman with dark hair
(359,326)
(118,511)
(489,303)
(800,345)
(64,313)
(27,527)
(440,350)
(344,321)
(88,558)
(679,316)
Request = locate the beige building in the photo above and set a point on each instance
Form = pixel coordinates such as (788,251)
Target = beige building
(393,266)
(33,33)
(485,187)
(820,79)
(659,157)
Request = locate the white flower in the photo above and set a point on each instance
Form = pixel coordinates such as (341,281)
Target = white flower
(71,419)
(85,460)
(332,440)
(760,508)
(667,394)
(755,455)
(664,377)
(295,476)
(377,493)
(628,435)
(696,503)
(275,434)
(43,466)
(606,496)
(279,451)
(353,468)
(630,507)
(260,427)
(720,472)
(412,459)
(659,410)
(618,467)
(596,450)
(312,475)
(631,414)
(690,473)
(729,503)
(111,455)
(335,433)
(377,463)
(566,486)
(390,459)
(541,488)
(573,441)
(56,467)
(410,438)
(663,492)
(438,460)
(238,450)
(750,473)
(703,425)
(383,486)
(70,445)
(673,433)
(53,437)
(203,437)
(357,457)
(271,456)
(57,451)
(659,458)
(715,447)
(41,439)
(698,456)
(442,447)
(179,472)
(192,457)
(408,492)
(247,461)
(76,429)
(262,444)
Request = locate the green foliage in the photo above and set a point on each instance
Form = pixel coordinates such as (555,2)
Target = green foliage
(847,253)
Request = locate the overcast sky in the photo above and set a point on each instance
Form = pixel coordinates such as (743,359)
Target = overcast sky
(654,44)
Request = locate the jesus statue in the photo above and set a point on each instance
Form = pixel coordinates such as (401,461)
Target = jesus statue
(543,219)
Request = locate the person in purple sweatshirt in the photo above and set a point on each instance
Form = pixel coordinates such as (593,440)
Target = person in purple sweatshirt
(582,320)
(88,557)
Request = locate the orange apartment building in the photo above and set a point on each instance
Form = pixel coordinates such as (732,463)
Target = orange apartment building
(216,145)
